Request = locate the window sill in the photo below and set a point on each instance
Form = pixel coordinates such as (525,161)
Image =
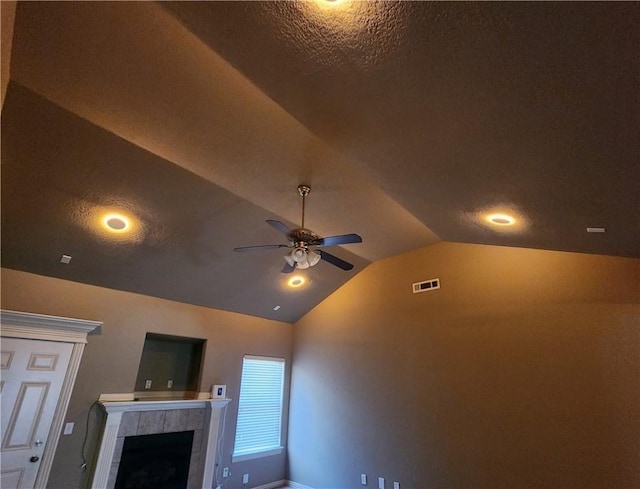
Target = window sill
(251,456)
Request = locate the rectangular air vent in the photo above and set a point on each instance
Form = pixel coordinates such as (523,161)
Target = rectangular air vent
(431,284)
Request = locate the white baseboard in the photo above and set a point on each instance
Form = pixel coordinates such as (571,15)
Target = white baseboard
(272,485)
(296,485)
(283,483)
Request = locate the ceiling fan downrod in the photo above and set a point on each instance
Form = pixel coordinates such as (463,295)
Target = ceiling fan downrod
(303,190)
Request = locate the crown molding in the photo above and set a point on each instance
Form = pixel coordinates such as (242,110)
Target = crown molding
(43,327)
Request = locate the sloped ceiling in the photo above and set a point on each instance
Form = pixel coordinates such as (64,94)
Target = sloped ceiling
(409,120)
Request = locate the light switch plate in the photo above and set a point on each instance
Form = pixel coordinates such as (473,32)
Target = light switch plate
(363,479)
(380,482)
(68,428)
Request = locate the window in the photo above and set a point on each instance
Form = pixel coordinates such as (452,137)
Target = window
(259,408)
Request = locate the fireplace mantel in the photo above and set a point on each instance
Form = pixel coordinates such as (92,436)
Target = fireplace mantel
(115,410)
(160,405)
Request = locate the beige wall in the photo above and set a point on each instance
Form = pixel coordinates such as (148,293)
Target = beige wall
(111,358)
(8,14)
(522,371)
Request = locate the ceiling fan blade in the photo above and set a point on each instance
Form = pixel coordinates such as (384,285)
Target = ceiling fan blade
(280,226)
(338,240)
(334,260)
(287,268)
(260,247)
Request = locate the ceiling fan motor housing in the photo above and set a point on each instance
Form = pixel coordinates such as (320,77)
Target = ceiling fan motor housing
(304,237)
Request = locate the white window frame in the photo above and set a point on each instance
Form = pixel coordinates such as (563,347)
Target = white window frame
(274,449)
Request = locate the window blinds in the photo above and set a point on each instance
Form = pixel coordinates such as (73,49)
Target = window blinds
(260,405)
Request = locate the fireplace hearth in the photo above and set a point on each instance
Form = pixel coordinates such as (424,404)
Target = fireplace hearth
(158,461)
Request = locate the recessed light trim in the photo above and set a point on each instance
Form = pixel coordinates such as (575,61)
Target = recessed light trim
(116,223)
(329,3)
(501,219)
(296,281)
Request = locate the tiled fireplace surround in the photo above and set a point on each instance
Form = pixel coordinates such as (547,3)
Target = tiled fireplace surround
(133,418)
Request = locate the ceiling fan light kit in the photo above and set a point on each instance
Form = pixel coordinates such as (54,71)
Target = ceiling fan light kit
(301,258)
(303,243)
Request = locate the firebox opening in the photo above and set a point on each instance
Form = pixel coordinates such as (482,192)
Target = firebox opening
(158,461)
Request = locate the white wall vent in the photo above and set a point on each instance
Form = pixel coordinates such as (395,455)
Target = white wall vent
(427,285)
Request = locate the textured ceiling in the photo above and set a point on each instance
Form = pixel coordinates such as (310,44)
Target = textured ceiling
(410,121)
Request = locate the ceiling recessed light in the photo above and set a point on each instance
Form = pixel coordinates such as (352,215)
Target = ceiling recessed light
(501,219)
(296,281)
(276,308)
(66,259)
(116,223)
(596,230)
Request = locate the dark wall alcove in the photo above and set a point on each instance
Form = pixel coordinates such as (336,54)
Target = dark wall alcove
(172,364)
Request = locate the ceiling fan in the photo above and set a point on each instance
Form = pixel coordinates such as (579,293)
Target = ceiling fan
(305,244)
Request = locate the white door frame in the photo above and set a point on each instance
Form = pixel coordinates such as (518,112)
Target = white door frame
(14,324)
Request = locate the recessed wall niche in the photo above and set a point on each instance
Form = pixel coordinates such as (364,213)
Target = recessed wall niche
(170,367)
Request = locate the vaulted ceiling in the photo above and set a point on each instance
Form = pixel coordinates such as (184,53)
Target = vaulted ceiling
(411,122)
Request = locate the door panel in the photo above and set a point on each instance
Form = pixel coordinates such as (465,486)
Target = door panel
(21,430)
(33,373)
(12,479)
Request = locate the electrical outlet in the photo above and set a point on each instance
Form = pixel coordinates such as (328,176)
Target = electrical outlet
(169,383)
(380,482)
(396,485)
(363,479)
(147,384)
(68,428)
(245,479)
(225,472)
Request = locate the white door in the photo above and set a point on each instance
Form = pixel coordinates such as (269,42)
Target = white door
(33,373)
